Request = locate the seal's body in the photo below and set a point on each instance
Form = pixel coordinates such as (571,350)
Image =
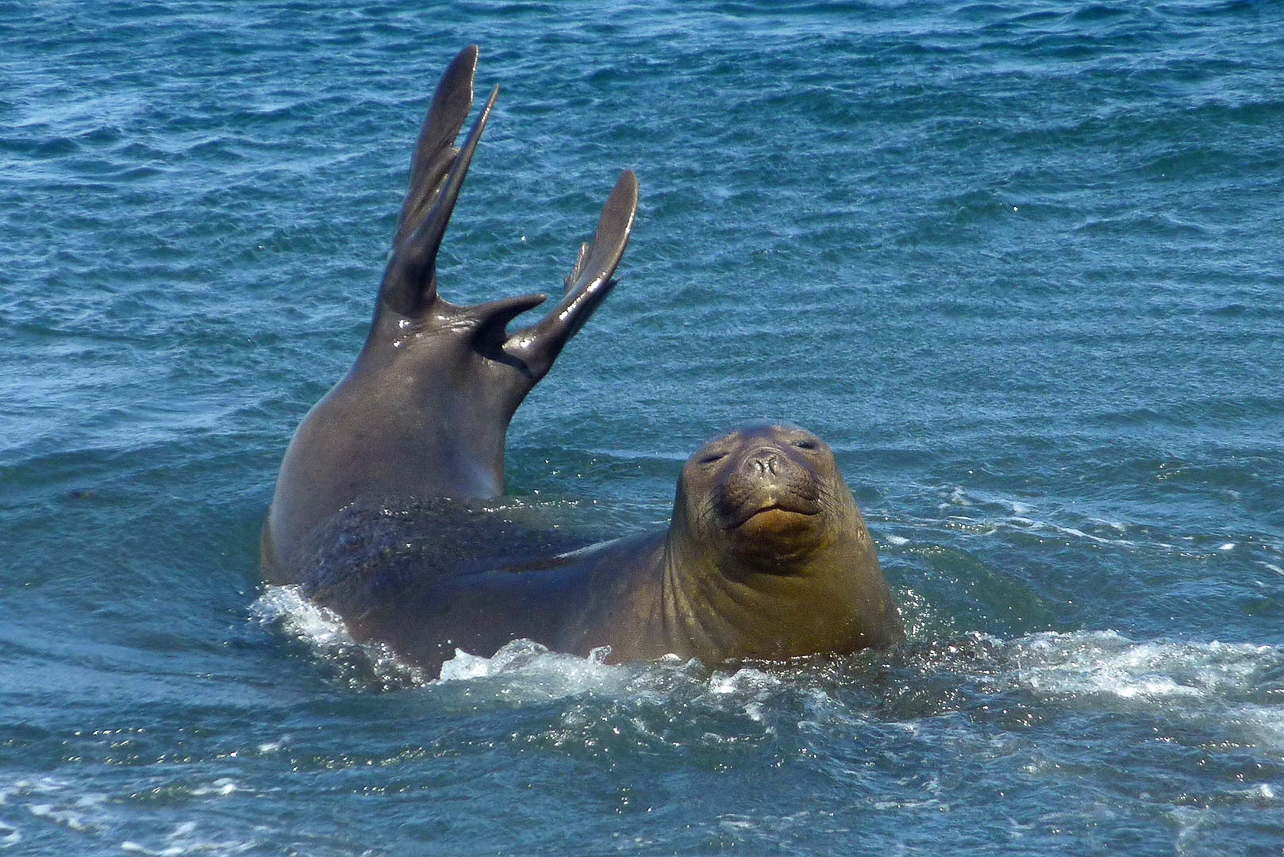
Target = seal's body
(766,556)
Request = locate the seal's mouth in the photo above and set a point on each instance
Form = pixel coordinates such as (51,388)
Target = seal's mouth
(774,516)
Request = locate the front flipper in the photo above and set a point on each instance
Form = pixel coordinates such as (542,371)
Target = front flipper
(590,281)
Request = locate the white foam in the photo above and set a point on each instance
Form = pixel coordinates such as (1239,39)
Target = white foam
(464,666)
(286,607)
(1193,680)
(82,813)
(54,801)
(1199,682)
(185,839)
(96,816)
(743,681)
(525,670)
(1107,664)
(68,819)
(748,689)
(221,787)
(1191,823)
(520,670)
(531,659)
(285,610)
(1076,533)
(9,836)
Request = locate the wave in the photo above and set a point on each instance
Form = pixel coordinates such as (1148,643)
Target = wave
(1237,686)
(92,816)
(321,633)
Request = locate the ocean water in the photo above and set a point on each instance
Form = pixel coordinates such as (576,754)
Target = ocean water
(1018,263)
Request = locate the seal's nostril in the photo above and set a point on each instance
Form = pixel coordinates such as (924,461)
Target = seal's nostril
(762,464)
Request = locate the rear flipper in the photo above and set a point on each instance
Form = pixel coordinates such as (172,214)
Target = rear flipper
(590,281)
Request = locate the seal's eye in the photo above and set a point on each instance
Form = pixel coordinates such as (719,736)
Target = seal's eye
(712,457)
(806,443)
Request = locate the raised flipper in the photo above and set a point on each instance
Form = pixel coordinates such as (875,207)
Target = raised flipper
(425,408)
(590,281)
(436,177)
(435,150)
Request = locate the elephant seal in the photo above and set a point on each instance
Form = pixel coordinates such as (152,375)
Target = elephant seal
(374,512)
(766,557)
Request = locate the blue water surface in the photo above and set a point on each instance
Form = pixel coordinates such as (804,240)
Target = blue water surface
(1019,263)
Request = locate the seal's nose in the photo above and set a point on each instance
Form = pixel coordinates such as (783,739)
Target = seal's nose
(762,463)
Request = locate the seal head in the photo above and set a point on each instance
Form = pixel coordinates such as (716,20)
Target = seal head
(768,554)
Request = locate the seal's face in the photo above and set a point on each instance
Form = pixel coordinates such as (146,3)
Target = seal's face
(764,491)
(768,556)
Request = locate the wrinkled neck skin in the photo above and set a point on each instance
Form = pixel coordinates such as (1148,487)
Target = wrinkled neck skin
(819,589)
(422,413)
